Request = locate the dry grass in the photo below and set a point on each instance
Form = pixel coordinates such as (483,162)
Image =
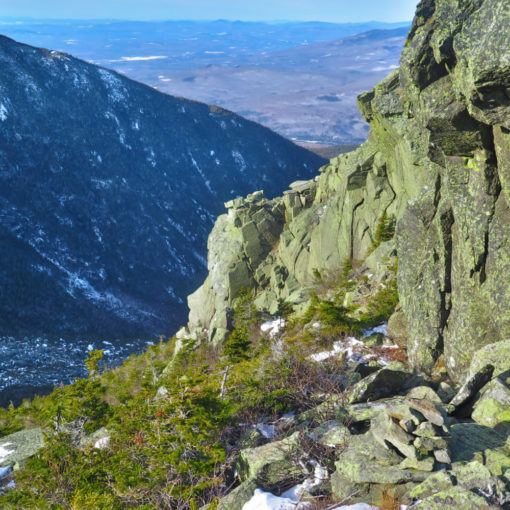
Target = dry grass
(389,501)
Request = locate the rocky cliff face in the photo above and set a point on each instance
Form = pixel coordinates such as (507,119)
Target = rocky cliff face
(437,163)
(108,190)
(429,187)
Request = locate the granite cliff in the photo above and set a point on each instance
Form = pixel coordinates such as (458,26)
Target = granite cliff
(436,163)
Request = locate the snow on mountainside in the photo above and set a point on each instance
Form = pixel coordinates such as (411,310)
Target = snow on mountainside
(108,190)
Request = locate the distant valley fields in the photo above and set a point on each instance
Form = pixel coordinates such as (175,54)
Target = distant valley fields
(299,79)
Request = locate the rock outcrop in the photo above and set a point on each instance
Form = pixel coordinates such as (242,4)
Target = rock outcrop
(429,187)
(407,448)
(436,163)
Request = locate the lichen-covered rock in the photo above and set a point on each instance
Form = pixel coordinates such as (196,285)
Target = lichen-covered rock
(331,433)
(496,354)
(343,488)
(235,499)
(386,431)
(456,497)
(428,429)
(445,392)
(437,163)
(386,382)
(441,480)
(366,461)
(433,412)
(397,328)
(429,444)
(473,442)
(424,393)
(16,448)
(470,388)
(423,464)
(361,470)
(472,477)
(443,456)
(237,245)
(493,406)
(274,462)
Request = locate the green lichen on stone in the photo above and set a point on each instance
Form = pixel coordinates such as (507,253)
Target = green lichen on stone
(20,446)
(437,162)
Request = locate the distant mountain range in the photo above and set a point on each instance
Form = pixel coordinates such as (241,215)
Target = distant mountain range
(300,79)
(108,190)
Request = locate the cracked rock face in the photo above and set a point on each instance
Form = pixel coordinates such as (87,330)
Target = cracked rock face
(440,128)
(453,236)
(437,162)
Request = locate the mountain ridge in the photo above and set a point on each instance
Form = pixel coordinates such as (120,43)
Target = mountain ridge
(76,149)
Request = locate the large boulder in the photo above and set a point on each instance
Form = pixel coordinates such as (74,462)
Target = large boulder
(386,382)
(18,447)
(474,442)
(496,354)
(366,461)
(492,409)
(274,464)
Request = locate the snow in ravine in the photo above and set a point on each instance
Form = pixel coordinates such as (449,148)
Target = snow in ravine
(202,174)
(240,162)
(3,112)
(116,91)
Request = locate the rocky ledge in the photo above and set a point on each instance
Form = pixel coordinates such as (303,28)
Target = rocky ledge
(426,445)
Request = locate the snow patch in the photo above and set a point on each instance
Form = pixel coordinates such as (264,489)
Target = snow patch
(4,452)
(273,327)
(382,329)
(3,113)
(356,350)
(101,183)
(289,500)
(4,471)
(240,162)
(116,91)
(266,501)
(339,347)
(135,59)
(102,443)
(268,430)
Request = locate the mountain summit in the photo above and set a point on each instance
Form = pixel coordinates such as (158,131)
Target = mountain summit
(108,190)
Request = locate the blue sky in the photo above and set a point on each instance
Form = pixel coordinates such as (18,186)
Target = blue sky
(265,10)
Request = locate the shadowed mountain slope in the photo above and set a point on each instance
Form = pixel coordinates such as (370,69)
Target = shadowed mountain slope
(108,190)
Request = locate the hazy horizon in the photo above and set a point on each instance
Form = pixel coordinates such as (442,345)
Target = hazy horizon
(334,11)
(11,20)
